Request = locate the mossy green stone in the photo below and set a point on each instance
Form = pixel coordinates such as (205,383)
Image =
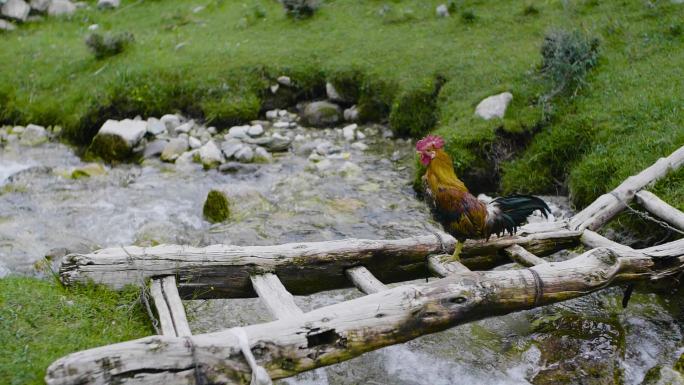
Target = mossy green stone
(216,207)
(110,148)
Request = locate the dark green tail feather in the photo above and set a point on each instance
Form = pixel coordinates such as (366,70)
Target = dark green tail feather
(514,211)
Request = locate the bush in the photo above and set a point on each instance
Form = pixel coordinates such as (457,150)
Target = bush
(300,9)
(566,59)
(414,111)
(530,10)
(468,16)
(108,45)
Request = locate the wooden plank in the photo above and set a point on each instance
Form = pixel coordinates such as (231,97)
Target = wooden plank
(605,207)
(364,280)
(520,255)
(660,209)
(442,265)
(593,239)
(176,308)
(279,302)
(165,320)
(223,271)
(345,330)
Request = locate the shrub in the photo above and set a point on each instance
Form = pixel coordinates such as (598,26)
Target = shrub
(109,44)
(530,10)
(468,16)
(300,9)
(566,59)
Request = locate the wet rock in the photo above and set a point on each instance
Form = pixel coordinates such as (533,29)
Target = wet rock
(245,154)
(33,135)
(233,167)
(210,155)
(116,139)
(238,132)
(349,132)
(216,207)
(321,114)
(274,143)
(6,26)
(350,169)
(359,146)
(61,8)
(255,130)
(327,148)
(15,9)
(188,158)
(154,148)
(442,10)
(194,143)
(230,147)
(284,125)
(174,148)
(28,174)
(171,122)
(324,165)
(261,155)
(494,106)
(285,81)
(351,114)
(108,4)
(89,170)
(333,95)
(40,5)
(185,127)
(212,130)
(156,127)
(272,114)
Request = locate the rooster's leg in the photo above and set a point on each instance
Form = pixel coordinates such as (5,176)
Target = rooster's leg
(457,251)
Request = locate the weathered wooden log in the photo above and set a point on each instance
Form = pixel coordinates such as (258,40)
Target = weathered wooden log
(364,280)
(180,320)
(608,205)
(523,257)
(163,312)
(339,332)
(660,209)
(443,265)
(593,239)
(275,297)
(222,271)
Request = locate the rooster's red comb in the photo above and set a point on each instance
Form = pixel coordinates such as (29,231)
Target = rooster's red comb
(430,140)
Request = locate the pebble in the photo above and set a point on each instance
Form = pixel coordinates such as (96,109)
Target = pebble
(210,155)
(255,130)
(185,127)
(245,154)
(194,143)
(272,114)
(237,167)
(285,80)
(238,132)
(170,121)
(212,130)
(350,169)
(261,153)
(359,146)
(231,147)
(324,165)
(173,149)
(154,148)
(155,126)
(349,132)
(282,125)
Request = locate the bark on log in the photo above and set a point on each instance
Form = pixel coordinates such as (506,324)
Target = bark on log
(339,332)
(443,265)
(660,209)
(222,271)
(608,205)
(593,239)
(364,280)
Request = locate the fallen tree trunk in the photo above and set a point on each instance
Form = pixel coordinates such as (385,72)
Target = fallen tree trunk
(222,271)
(339,332)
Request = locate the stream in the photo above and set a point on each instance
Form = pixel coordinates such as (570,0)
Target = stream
(355,193)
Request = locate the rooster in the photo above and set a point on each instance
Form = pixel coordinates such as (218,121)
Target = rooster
(463,215)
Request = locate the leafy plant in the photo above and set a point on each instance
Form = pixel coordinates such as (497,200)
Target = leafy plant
(566,59)
(300,9)
(530,10)
(108,45)
(468,16)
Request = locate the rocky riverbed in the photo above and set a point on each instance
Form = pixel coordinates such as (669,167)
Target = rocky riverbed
(320,184)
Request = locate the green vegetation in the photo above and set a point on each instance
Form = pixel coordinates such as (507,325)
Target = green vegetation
(103,46)
(216,207)
(40,321)
(398,62)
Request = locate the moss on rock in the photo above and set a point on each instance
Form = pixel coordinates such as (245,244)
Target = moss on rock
(216,207)
(414,111)
(110,148)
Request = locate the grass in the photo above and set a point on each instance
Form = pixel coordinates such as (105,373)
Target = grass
(41,321)
(396,60)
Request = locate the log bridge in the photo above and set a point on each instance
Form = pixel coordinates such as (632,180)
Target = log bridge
(296,341)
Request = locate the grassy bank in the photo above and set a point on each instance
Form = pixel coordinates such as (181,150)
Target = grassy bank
(40,322)
(397,60)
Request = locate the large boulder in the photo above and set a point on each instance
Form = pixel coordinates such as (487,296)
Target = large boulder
(494,106)
(61,8)
(15,9)
(321,114)
(116,139)
(40,5)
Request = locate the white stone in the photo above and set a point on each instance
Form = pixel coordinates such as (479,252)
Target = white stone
(231,147)
(33,135)
(349,132)
(360,135)
(494,106)
(274,88)
(194,143)
(108,4)
(155,126)
(333,94)
(324,165)
(93,27)
(18,129)
(442,10)
(261,153)
(61,8)
(350,169)
(6,26)
(351,114)
(255,130)
(40,5)
(283,113)
(245,154)
(237,132)
(210,155)
(15,9)
(186,158)
(272,114)
(281,125)
(170,121)
(131,131)
(185,127)
(174,149)
(285,80)
(212,130)
(360,146)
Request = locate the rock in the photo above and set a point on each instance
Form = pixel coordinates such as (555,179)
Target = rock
(351,114)
(230,147)
(493,106)
(255,130)
(210,155)
(360,135)
(216,207)
(93,27)
(61,8)
(212,130)
(155,126)
(333,95)
(350,169)
(285,81)
(272,114)
(349,132)
(194,142)
(245,154)
(174,148)
(6,26)
(154,148)
(40,5)
(185,127)
(321,114)
(87,171)
(327,148)
(442,10)
(284,125)
(33,135)
(108,4)
(238,167)
(15,9)
(171,122)
(360,146)
(274,88)
(188,158)
(18,130)
(238,132)
(4,271)
(324,165)
(116,139)
(275,143)
(260,154)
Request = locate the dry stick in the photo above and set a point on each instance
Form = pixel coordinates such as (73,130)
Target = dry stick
(339,332)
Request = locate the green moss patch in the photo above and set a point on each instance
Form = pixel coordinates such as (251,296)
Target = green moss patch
(216,207)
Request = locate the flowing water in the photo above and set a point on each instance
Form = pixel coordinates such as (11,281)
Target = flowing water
(355,193)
